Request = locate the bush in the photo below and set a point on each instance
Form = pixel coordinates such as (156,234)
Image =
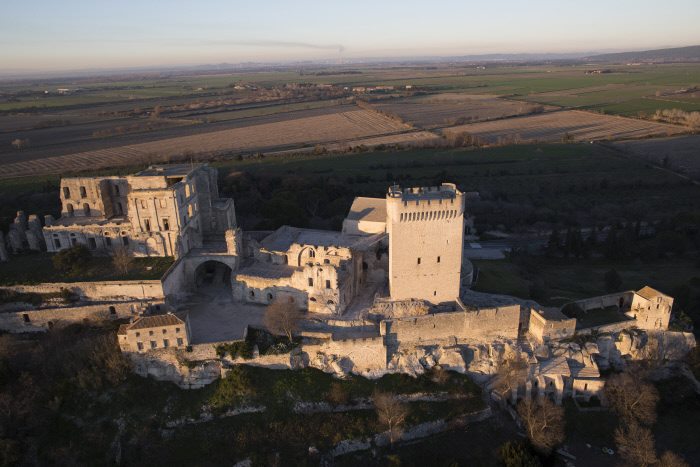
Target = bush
(613,281)
(232,389)
(69,296)
(515,454)
(242,349)
(72,260)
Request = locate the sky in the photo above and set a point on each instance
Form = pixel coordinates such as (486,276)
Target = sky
(77,34)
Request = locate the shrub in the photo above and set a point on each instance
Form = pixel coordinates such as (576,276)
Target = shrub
(232,389)
(68,296)
(242,349)
(515,454)
(72,260)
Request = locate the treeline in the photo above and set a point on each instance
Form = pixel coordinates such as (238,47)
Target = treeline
(47,386)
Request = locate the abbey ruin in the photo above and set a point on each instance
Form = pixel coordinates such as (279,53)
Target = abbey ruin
(388,293)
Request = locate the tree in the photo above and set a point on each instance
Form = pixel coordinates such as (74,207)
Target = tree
(671,459)
(511,374)
(338,395)
(554,242)
(635,444)
(391,413)
(543,422)
(515,454)
(613,280)
(632,397)
(72,259)
(282,317)
(122,260)
(20,143)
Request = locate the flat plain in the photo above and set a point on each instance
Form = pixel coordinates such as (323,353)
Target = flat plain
(568,125)
(287,134)
(448,109)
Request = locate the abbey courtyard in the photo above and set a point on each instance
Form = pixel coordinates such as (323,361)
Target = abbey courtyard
(390,292)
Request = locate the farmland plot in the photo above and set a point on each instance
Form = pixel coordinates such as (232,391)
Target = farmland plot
(679,154)
(452,109)
(571,125)
(289,134)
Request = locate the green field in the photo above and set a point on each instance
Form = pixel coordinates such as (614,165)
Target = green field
(524,82)
(572,279)
(37,268)
(519,186)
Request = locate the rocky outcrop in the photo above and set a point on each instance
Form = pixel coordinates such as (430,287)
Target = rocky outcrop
(164,365)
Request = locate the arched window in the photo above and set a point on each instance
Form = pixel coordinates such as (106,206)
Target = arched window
(269,296)
(86,209)
(69,209)
(330,302)
(312,254)
(252,294)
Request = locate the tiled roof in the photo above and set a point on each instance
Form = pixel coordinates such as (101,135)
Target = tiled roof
(648,293)
(156,321)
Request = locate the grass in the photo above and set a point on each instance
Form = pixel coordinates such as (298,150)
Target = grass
(35,268)
(594,317)
(569,280)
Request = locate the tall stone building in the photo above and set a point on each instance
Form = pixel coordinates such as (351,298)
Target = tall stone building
(160,211)
(426,232)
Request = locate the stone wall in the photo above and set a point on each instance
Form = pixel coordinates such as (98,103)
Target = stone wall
(99,291)
(362,355)
(174,282)
(492,323)
(544,329)
(40,320)
(487,323)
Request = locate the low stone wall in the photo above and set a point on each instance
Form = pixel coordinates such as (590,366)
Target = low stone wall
(43,319)
(612,327)
(99,291)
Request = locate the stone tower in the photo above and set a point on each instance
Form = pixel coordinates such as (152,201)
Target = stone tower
(425,227)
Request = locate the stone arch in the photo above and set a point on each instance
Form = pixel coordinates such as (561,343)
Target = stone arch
(213,276)
(307,254)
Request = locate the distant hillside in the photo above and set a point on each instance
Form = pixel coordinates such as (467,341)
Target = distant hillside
(677,54)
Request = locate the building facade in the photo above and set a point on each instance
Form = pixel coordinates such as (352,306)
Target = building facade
(153,332)
(160,211)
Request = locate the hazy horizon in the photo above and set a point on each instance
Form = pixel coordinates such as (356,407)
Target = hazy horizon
(74,35)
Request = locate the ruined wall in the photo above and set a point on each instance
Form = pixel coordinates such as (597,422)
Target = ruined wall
(543,329)
(491,323)
(40,320)
(365,355)
(99,291)
(174,282)
(477,324)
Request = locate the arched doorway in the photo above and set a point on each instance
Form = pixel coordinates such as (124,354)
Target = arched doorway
(213,277)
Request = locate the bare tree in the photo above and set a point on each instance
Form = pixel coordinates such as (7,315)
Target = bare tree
(635,444)
(543,422)
(20,143)
(282,317)
(512,372)
(632,396)
(391,413)
(122,260)
(671,459)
